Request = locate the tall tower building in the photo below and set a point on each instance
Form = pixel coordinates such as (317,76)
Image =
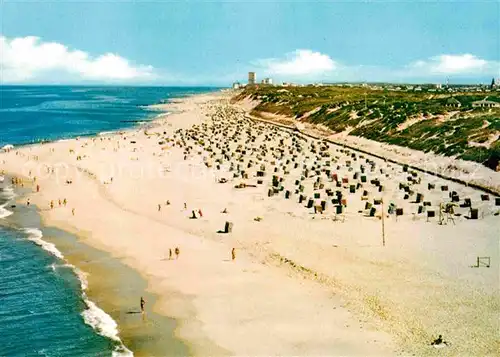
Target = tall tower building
(251,78)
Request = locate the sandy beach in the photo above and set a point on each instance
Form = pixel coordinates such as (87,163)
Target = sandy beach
(280,236)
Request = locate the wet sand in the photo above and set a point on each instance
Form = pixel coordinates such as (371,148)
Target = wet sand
(112,285)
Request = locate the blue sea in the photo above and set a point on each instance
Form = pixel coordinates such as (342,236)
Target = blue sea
(30,114)
(44,310)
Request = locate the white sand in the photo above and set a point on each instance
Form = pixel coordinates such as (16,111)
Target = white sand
(302,283)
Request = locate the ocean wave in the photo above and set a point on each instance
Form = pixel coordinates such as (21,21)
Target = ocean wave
(93,316)
(102,133)
(8,193)
(4,212)
(104,325)
(35,235)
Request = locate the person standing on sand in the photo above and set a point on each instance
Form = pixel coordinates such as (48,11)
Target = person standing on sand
(233,254)
(159,207)
(65,202)
(51,204)
(177,252)
(170,254)
(37,188)
(73,211)
(143,303)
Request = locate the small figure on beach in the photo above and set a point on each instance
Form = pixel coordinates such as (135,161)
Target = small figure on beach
(51,204)
(177,252)
(200,213)
(60,203)
(28,202)
(233,254)
(159,207)
(439,342)
(73,211)
(168,203)
(65,202)
(143,303)
(37,188)
(185,205)
(170,254)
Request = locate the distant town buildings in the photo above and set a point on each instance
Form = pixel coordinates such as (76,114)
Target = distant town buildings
(495,83)
(237,85)
(251,78)
(267,81)
(485,104)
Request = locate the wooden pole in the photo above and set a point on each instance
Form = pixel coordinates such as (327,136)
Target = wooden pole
(383,225)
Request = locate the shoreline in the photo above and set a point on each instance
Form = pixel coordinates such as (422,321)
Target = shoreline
(200,277)
(103,314)
(112,310)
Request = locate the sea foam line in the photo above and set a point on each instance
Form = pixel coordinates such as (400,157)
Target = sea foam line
(93,316)
(8,194)
(35,235)
(4,212)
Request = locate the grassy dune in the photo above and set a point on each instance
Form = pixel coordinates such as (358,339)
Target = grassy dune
(425,121)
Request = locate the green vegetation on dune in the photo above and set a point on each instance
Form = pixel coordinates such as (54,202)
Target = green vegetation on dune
(426,121)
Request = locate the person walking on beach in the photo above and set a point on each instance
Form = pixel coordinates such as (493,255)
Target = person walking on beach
(143,303)
(177,252)
(233,254)
(65,202)
(73,211)
(170,254)
(37,188)
(159,207)
(51,204)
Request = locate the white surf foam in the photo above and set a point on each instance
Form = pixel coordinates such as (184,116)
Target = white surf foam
(93,316)
(8,193)
(2,178)
(104,325)
(105,133)
(4,212)
(35,236)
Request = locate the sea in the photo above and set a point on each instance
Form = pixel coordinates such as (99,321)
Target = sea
(45,308)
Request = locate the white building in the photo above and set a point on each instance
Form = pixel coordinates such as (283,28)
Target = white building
(485,104)
(267,81)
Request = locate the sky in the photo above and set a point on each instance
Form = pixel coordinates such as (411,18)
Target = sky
(218,42)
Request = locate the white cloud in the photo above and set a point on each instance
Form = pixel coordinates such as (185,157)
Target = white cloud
(300,63)
(454,64)
(30,59)
(310,66)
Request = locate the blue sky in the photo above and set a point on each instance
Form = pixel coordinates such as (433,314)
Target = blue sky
(215,43)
